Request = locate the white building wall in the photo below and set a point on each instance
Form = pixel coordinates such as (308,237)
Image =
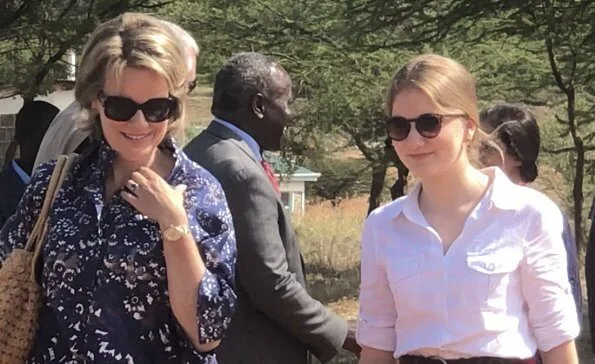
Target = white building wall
(292,186)
(61,99)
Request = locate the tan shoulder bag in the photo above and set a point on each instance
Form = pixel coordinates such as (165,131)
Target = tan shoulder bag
(20,294)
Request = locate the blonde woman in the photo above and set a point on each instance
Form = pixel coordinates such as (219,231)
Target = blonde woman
(467,267)
(138,262)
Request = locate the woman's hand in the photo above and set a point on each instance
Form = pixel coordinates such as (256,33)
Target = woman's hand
(153,197)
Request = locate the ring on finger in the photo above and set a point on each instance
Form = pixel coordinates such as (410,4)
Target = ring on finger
(133,186)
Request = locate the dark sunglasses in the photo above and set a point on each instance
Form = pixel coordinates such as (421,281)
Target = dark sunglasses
(156,110)
(427,125)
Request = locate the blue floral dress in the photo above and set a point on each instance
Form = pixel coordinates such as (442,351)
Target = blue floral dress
(104,280)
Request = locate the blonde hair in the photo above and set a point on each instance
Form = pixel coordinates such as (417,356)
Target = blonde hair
(185,37)
(130,40)
(445,81)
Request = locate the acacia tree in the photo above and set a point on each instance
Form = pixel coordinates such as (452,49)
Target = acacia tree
(344,88)
(486,35)
(335,51)
(36,34)
(564,30)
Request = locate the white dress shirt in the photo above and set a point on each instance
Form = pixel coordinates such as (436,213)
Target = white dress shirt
(500,290)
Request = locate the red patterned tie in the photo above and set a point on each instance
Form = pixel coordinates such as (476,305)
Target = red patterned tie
(271,174)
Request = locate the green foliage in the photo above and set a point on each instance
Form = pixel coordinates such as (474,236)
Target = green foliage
(35,35)
(341,178)
(342,54)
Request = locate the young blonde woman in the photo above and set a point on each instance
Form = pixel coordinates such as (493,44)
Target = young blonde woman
(138,262)
(467,267)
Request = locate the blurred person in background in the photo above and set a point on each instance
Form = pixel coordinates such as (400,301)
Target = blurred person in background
(513,146)
(590,274)
(32,121)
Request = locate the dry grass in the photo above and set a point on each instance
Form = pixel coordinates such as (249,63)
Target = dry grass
(331,235)
(199,106)
(330,245)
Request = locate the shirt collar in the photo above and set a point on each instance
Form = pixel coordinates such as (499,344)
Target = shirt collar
(247,138)
(21,172)
(505,195)
(502,194)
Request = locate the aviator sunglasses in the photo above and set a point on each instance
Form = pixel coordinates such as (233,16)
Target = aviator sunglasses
(155,110)
(427,125)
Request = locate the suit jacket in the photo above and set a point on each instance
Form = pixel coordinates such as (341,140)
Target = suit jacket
(590,274)
(277,321)
(12,189)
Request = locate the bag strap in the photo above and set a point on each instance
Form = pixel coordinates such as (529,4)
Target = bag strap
(35,241)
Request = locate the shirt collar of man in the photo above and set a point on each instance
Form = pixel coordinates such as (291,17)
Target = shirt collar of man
(502,194)
(21,172)
(247,138)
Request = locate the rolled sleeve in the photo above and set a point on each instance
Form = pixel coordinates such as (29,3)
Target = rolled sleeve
(545,285)
(212,227)
(216,304)
(377,314)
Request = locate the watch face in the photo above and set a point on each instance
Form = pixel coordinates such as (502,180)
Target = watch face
(174,233)
(170,234)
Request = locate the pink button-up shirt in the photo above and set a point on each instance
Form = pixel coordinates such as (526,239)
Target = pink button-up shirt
(501,289)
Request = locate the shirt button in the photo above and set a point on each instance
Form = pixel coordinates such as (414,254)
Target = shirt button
(491,266)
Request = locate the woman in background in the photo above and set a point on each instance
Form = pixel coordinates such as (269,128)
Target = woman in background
(467,267)
(513,146)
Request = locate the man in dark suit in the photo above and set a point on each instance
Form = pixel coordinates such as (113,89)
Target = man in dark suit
(31,123)
(277,320)
(590,275)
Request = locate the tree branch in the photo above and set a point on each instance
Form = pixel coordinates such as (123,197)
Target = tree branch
(5,24)
(157,6)
(67,9)
(554,64)
(567,149)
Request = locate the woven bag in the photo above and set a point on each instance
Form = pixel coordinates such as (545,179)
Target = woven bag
(20,294)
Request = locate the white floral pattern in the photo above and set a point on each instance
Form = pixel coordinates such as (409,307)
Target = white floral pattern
(104,277)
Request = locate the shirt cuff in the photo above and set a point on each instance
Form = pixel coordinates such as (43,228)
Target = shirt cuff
(562,327)
(216,305)
(381,338)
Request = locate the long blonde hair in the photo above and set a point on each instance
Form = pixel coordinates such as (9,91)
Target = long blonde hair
(445,81)
(130,40)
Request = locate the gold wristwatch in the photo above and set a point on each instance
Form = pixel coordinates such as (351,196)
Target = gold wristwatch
(175,232)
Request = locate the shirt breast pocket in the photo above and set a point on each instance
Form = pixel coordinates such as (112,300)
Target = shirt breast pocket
(494,274)
(405,283)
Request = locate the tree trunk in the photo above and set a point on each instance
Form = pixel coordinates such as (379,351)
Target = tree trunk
(378,175)
(398,188)
(29,97)
(579,171)
(577,193)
